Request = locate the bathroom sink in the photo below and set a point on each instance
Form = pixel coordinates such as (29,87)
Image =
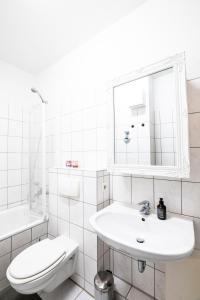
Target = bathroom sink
(144,237)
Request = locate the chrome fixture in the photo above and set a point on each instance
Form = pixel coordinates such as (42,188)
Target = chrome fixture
(141,265)
(146,208)
(127,139)
(33,90)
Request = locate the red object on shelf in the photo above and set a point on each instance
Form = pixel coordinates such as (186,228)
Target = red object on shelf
(75,164)
(68,163)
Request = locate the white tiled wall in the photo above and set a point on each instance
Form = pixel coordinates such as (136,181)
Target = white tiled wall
(70,216)
(14,147)
(77,103)
(13,245)
(181,197)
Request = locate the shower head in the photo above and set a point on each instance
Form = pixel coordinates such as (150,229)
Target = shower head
(34,90)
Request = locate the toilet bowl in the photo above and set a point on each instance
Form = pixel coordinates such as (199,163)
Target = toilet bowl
(43,266)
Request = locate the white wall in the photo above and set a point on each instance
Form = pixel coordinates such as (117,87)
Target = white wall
(15,86)
(75,89)
(77,83)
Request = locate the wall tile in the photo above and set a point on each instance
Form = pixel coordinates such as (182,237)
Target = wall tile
(90,244)
(14,144)
(143,281)
(121,287)
(53,204)
(76,212)
(53,185)
(122,266)
(14,177)
(194,165)
(106,260)
(142,189)
(80,265)
(122,188)
(3,161)
(194,125)
(63,208)
(106,194)
(3,144)
(90,190)
(14,194)
(53,225)
(5,246)
(63,227)
(39,230)
(89,210)
(159,285)
(3,197)
(170,191)
(19,250)
(76,234)
(21,239)
(193,95)
(190,199)
(3,179)
(100,248)
(15,128)
(4,263)
(3,126)
(100,190)
(91,267)
(14,161)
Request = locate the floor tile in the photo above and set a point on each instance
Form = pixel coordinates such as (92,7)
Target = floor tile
(11,294)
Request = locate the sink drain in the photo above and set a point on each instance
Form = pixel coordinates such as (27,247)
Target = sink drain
(140,240)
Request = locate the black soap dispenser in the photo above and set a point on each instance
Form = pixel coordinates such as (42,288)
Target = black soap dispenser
(161,210)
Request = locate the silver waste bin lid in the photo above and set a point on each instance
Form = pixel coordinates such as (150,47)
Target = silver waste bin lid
(103,280)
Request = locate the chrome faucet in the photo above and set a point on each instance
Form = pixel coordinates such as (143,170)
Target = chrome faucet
(146,208)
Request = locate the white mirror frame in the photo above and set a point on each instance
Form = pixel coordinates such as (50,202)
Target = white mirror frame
(182,169)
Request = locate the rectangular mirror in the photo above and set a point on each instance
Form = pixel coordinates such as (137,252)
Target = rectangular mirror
(149,121)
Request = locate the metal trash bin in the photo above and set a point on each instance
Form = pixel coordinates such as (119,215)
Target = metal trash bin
(104,285)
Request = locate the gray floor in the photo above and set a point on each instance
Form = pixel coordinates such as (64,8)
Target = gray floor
(11,294)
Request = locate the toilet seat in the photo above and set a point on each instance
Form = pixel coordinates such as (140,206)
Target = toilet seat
(43,266)
(38,258)
(38,277)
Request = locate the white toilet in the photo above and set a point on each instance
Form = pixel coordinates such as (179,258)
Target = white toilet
(43,266)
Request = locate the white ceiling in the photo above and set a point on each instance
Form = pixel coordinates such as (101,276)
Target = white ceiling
(36,33)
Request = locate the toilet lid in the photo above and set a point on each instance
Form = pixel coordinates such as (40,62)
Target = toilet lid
(35,259)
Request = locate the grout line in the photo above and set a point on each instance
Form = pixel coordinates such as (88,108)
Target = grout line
(128,291)
(193,113)
(79,294)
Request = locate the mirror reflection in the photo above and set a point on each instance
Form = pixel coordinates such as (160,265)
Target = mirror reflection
(145,120)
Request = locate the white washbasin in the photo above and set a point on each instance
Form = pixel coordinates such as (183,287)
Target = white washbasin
(120,226)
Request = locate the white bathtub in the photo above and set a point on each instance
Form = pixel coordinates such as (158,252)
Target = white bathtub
(17,219)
